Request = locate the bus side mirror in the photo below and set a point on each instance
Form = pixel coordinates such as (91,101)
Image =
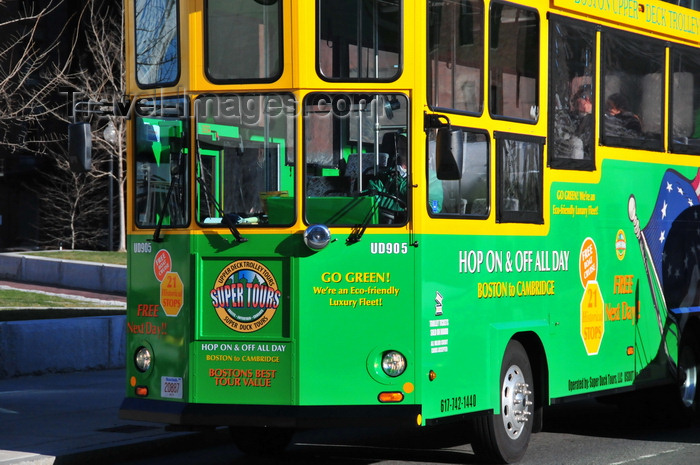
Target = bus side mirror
(449,146)
(80,147)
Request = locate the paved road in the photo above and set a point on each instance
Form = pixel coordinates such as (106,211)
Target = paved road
(72,419)
(582,433)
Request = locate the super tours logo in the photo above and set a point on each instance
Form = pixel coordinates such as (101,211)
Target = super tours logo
(245,296)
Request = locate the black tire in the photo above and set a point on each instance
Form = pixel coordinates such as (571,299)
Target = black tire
(504,437)
(689,374)
(261,440)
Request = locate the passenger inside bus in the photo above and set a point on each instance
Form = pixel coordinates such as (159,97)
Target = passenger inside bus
(390,185)
(582,103)
(619,120)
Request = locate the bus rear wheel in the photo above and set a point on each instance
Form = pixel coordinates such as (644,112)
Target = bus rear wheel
(261,440)
(688,360)
(504,437)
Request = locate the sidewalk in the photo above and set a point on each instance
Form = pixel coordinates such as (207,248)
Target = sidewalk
(37,341)
(73,419)
(101,298)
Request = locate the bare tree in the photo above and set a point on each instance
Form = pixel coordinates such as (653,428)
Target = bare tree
(73,207)
(100,78)
(84,63)
(25,95)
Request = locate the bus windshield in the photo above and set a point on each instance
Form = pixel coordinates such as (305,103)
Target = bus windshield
(245,159)
(342,187)
(161,163)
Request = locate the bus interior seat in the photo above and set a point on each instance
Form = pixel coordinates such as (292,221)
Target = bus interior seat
(683,121)
(326,186)
(650,108)
(468,83)
(511,204)
(369,160)
(479,207)
(613,84)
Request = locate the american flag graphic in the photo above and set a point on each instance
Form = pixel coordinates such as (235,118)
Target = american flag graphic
(673,237)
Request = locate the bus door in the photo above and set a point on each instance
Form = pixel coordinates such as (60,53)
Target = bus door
(358,291)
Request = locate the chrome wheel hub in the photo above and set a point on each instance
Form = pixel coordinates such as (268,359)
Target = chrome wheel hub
(690,373)
(515,402)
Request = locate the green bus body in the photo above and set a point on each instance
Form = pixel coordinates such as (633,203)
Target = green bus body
(449,302)
(500,240)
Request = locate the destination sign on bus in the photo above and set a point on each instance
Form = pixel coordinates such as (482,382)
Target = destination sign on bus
(665,19)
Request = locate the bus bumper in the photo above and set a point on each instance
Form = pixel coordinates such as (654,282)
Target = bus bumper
(281,416)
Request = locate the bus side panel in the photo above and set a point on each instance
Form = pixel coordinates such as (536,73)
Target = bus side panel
(473,301)
(617,318)
(587,291)
(159,314)
(355,302)
(453,335)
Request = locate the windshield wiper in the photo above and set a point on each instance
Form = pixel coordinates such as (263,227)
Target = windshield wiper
(226,219)
(360,229)
(176,170)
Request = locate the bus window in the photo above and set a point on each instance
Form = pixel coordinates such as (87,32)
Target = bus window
(356,158)
(359,40)
(245,159)
(519,178)
(162,186)
(514,62)
(465,197)
(456,55)
(632,81)
(685,101)
(572,95)
(157,42)
(243,40)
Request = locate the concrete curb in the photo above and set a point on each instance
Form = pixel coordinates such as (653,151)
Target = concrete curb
(50,345)
(34,313)
(62,345)
(89,276)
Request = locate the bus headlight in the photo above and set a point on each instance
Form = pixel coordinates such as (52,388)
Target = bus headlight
(142,359)
(393,363)
(317,236)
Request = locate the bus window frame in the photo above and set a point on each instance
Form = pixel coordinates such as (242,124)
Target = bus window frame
(489,169)
(488,43)
(509,216)
(629,142)
(563,163)
(673,146)
(186,176)
(178,73)
(318,40)
(430,78)
(267,80)
(332,101)
(289,160)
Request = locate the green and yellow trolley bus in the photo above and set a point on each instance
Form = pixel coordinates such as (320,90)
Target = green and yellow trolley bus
(403,212)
